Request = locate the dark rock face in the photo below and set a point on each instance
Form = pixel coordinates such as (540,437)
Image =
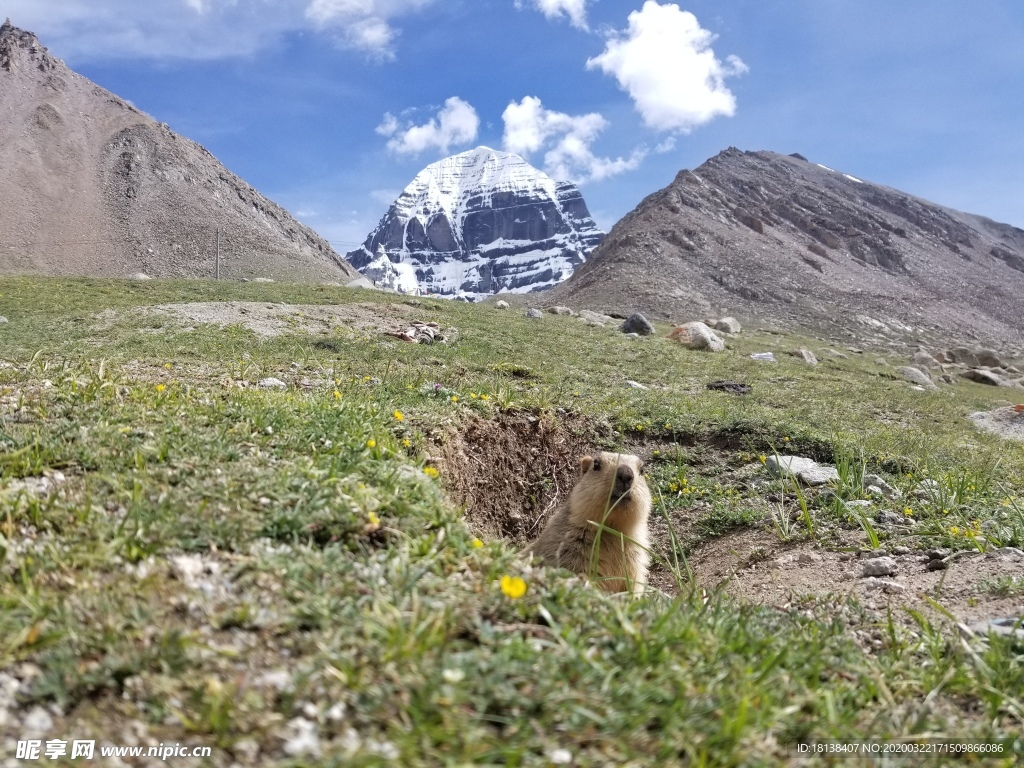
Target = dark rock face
(788,241)
(477,223)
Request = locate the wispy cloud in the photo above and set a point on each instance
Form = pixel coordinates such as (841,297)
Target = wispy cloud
(529,128)
(575,10)
(665,62)
(456,123)
(207,29)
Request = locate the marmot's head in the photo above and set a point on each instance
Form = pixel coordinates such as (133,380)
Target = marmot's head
(611,481)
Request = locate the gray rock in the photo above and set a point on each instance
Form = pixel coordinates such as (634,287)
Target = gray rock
(140,276)
(534,314)
(1006,627)
(301,738)
(2,319)
(962,355)
(984,377)
(728,325)
(888,586)
(634,384)
(884,488)
(924,359)
(37,721)
(807,558)
(637,323)
(501,304)
(879,566)
(806,355)
(561,311)
(988,358)
(806,470)
(271,383)
(885,517)
(916,376)
(697,335)
(936,565)
(595,317)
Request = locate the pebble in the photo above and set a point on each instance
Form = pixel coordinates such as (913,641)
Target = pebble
(38,721)
(304,739)
(937,565)
(534,314)
(806,558)
(271,383)
(879,566)
(888,586)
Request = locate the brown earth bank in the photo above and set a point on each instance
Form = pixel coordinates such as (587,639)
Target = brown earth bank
(779,241)
(92,186)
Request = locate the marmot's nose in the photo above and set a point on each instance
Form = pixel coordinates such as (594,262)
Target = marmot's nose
(624,476)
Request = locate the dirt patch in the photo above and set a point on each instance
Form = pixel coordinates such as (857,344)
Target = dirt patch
(269,320)
(1006,422)
(755,565)
(510,473)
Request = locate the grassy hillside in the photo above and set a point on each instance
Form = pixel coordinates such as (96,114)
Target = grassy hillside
(317,573)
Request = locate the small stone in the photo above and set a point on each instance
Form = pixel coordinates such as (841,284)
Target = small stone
(2,319)
(807,558)
(634,384)
(888,586)
(302,739)
(882,487)
(637,323)
(502,304)
(926,489)
(806,355)
(38,721)
(561,757)
(885,517)
(534,314)
(561,311)
(901,550)
(728,325)
(936,565)
(879,566)
(246,751)
(278,679)
(271,383)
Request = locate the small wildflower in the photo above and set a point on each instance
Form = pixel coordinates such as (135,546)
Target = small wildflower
(667,425)
(161,387)
(337,382)
(908,511)
(513,586)
(371,443)
(366,378)
(485,397)
(337,395)
(167,366)
(372,517)
(398,415)
(955,530)
(785,439)
(473,395)
(430,472)
(453,675)
(762,458)
(477,544)
(639,427)
(406,443)
(455,398)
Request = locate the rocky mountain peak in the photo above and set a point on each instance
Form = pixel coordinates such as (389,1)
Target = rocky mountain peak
(19,45)
(476,223)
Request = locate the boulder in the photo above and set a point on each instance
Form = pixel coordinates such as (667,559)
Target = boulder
(534,314)
(962,355)
(988,358)
(637,323)
(502,304)
(561,311)
(916,376)
(595,317)
(923,359)
(806,355)
(697,336)
(808,471)
(728,325)
(984,377)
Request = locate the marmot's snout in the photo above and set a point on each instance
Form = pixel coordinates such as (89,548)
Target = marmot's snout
(623,481)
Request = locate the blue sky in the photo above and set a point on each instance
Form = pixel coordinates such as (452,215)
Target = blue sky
(330,107)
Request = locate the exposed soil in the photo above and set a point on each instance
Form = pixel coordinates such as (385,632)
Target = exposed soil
(510,474)
(268,320)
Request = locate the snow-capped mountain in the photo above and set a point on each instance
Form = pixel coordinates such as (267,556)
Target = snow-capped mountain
(477,223)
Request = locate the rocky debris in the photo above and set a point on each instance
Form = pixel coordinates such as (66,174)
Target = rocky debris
(783,240)
(806,355)
(140,276)
(879,566)
(478,223)
(301,738)
(40,486)
(559,310)
(422,333)
(533,314)
(735,387)
(595,318)
(1009,626)
(988,358)
(697,335)
(926,490)
(916,376)
(924,360)
(806,470)
(727,325)
(637,323)
(763,357)
(1007,422)
(982,376)
(876,485)
(271,383)
(501,304)
(155,199)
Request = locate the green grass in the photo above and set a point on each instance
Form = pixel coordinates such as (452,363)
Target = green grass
(332,552)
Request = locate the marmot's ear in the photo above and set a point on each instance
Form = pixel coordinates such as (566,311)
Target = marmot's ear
(585,464)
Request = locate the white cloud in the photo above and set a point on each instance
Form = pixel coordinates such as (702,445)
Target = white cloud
(576,10)
(529,127)
(664,61)
(205,29)
(456,123)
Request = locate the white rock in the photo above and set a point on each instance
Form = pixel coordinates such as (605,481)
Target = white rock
(272,383)
(879,566)
(806,470)
(502,304)
(37,721)
(560,757)
(697,336)
(302,739)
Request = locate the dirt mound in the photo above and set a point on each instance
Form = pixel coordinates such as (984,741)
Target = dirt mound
(92,186)
(511,472)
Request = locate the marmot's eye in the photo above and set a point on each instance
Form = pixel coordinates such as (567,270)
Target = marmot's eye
(597,465)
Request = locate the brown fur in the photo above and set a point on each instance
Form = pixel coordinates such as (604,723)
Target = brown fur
(572,540)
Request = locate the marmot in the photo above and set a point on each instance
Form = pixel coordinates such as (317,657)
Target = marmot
(601,531)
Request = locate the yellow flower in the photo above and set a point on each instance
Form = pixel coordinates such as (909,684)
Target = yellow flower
(337,395)
(366,378)
(372,517)
(473,395)
(908,511)
(785,439)
(513,586)
(485,397)
(430,472)
(762,458)
(455,399)
(337,381)
(371,443)
(167,366)
(477,543)
(406,443)
(955,530)
(161,387)
(399,415)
